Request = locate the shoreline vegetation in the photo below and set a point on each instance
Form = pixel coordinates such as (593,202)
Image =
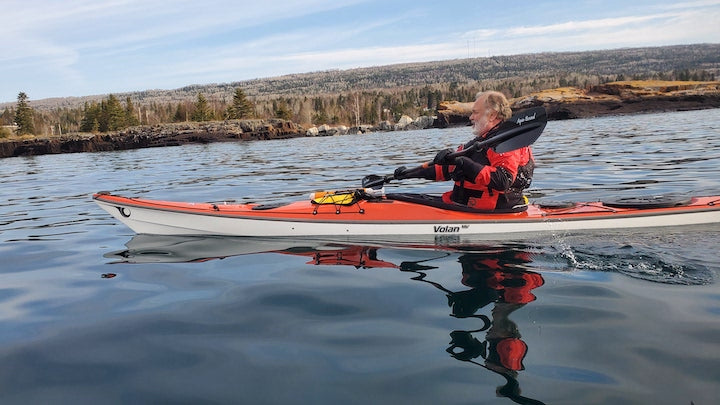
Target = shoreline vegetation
(379,98)
(614,98)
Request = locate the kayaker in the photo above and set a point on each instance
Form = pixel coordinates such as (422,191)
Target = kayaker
(484,179)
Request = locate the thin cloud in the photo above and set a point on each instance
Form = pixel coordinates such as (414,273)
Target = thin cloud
(688,5)
(92,25)
(647,30)
(368,56)
(579,26)
(565,27)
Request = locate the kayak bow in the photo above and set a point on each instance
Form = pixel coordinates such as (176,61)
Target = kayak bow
(387,215)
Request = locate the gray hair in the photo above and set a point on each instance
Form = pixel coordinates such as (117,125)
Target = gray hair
(496,101)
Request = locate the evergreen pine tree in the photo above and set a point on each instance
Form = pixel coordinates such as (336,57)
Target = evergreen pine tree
(24,115)
(114,114)
(202,109)
(282,110)
(241,107)
(130,118)
(181,113)
(91,118)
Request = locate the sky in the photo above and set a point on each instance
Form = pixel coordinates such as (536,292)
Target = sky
(70,48)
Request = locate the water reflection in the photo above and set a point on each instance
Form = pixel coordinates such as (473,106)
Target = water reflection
(496,278)
(492,277)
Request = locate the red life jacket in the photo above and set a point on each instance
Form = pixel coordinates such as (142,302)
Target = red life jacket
(499,182)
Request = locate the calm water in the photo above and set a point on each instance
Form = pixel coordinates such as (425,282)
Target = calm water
(93,314)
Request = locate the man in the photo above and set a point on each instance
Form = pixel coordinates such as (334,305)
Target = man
(484,180)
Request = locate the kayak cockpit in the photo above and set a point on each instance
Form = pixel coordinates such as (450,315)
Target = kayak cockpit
(436,201)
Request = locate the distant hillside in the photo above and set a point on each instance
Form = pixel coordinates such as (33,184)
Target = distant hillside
(369,96)
(621,97)
(554,69)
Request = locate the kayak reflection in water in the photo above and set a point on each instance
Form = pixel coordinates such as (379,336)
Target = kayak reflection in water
(496,276)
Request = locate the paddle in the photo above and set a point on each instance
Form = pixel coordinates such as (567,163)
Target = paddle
(522,129)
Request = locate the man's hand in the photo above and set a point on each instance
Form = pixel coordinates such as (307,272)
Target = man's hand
(442,158)
(401,173)
(466,169)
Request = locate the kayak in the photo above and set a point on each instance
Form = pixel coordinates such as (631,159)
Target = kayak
(356,213)
(369,212)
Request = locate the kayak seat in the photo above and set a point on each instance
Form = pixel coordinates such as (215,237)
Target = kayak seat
(437,202)
(657,201)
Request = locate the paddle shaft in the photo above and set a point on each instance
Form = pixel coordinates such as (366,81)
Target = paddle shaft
(522,129)
(504,141)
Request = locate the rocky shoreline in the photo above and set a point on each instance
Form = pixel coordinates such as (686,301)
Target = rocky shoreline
(153,136)
(564,103)
(618,98)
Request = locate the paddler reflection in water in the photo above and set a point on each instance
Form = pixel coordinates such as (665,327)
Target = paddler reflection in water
(484,179)
(494,277)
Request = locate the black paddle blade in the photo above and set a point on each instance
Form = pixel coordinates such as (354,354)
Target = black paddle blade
(522,129)
(527,135)
(375,181)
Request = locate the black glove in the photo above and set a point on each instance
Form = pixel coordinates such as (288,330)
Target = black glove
(401,172)
(465,169)
(442,157)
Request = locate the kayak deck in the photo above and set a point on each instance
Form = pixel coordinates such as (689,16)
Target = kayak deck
(385,216)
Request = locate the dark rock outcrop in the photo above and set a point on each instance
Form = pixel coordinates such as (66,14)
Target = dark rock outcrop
(154,136)
(616,98)
(621,98)
(453,113)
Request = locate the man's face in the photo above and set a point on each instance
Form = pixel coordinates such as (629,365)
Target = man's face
(482,118)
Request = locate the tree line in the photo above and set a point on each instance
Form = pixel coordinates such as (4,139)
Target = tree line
(348,108)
